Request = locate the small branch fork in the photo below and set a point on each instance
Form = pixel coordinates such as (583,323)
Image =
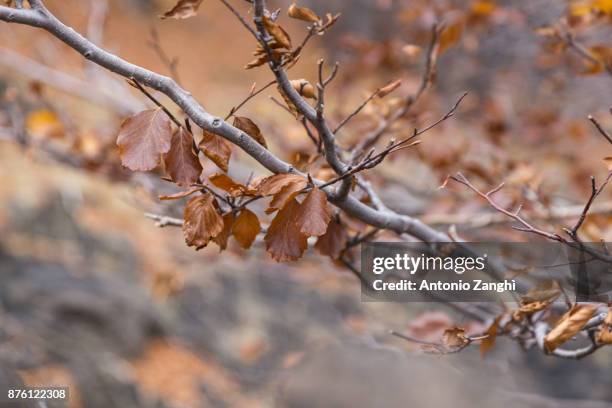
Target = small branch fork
(438,347)
(569,39)
(372,160)
(426,81)
(526,226)
(595,192)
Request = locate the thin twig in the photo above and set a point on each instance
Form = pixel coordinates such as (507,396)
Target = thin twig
(170,63)
(160,105)
(356,111)
(601,130)
(164,221)
(251,95)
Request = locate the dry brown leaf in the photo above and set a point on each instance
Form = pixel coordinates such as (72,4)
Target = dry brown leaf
(287,193)
(454,338)
(608,162)
(223,237)
(603,53)
(284,241)
(182,163)
(248,126)
(314,214)
(273,184)
(488,342)
(143,139)
(532,307)
(202,221)
(183,9)
(303,13)
(44,124)
(179,195)
(276,31)
(257,62)
(246,228)
(225,182)
(538,298)
(304,88)
(216,149)
(604,335)
(570,323)
(387,89)
(333,242)
(450,35)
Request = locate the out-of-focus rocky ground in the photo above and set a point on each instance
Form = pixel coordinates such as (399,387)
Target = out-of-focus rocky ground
(94,296)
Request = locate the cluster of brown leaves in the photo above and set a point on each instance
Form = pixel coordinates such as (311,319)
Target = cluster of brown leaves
(280,47)
(563,330)
(287,234)
(286,238)
(538,298)
(147,140)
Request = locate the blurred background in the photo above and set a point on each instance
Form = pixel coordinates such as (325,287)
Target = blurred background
(96,296)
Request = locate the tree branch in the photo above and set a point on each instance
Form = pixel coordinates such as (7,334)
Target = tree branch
(40,17)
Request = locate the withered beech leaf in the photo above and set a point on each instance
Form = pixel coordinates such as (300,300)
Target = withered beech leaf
(334,241)
(179,195)
(604,335)
(202,221)
(277,32)
(250,128)
(538,298)
(225,182)
(454,338)
(182,163)
(303,13)
(450,35)
(273,184)
(246,228)
(387,89)
(314,214)
(183,9)
(143,139)
(570,323)
(223,237)
(284,241)
(257,62)
(304,88)
(488,342)
(287,193)
(216,149)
